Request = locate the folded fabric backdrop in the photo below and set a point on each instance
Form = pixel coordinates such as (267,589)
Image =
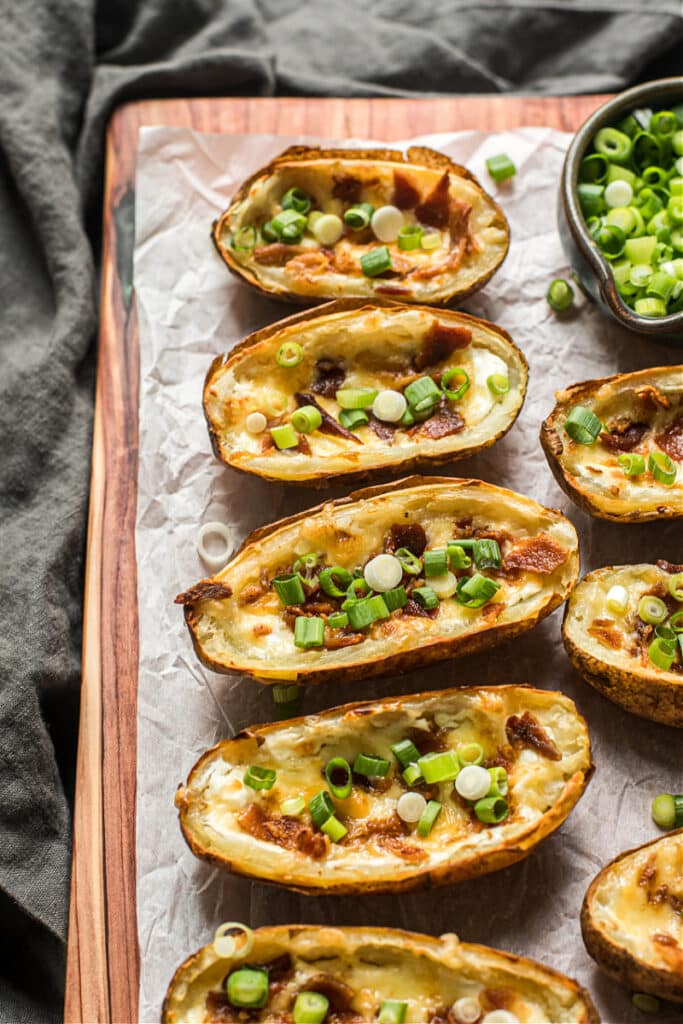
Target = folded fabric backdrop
(63,67)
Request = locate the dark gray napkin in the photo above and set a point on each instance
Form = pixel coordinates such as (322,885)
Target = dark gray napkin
(64,64)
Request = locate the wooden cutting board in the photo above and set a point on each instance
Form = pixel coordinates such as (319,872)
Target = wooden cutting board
(102,980)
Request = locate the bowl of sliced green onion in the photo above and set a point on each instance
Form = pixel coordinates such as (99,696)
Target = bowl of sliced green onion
(620,212)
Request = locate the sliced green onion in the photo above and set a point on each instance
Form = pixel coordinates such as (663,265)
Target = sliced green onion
(500,167)
(470,753)
(429,816)
(500,783)
(560,295)
(632,463)
(435,562)
(651,609)
(289,225)
(422,394)
(613,144)
(405,752)
(321,808)
(297,200)
(440,766)
(306,419)
(358,588)
(457,556)
(662,653)
(335,581)
(646,1003)
(410,562)
(498,384)
(289,588)
(667,810)
(285,436)
(646,152)
(293,807)
(412,774)
(594,168)
(444,586)
(591,198)
(611,240)
(486,554)
(244,239)
(363,613)
(353,418)
(475,591)
(582,425)
(359,216)
(662,467)
(248,987)
(290,354)
(640,250)
(378,607)
(407,419)
(356,398)
(339,777)
(310,1008)
(392,1011)
(676,621)
(664,123)
(370,766)
(306,563)
(661,286)
(425,597)
(666,633)
(259,778)
(676,587)
(338,620)
(431,240)
(334,829)
(376,262)
(650,307)
(617,600)
(309,631)
(395,598)
(491,810)
(269,232)
(410,237)
(455,373)
(287,698)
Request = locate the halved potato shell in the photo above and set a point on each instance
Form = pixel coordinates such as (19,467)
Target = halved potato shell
(631,919)
(610,649)
(238,624)
(642,414)
(375,346)
(358,968)
(428,187)
(536,735)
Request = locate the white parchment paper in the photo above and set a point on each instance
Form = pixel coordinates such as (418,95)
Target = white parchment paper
(190,309)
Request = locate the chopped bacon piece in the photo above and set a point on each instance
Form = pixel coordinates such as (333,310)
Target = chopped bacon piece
(528,732)
(392,289)
(344,260)
(451,263)
(440,341)
(251,593)
(624,436)
(671,440)
(458,219)
(652,397)
(390,833)
(435,209)
(384,430)
(329,378)
(669,566)
(221,1010)
(669,949)
(539,554)
(606,633)
(442,424)
(412,608)
(277,254)
(347,188)
(429,741)
(407,535)
(204,591)
(329,425)
(336,639)
(406,193)
(309,263)
(290,833)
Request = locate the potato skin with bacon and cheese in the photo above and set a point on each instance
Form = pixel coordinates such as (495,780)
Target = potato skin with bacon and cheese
(429,189)
(372,345)
(238,625)
(631,918)
(610,650)
(359,968)
(642,413)
(537,736)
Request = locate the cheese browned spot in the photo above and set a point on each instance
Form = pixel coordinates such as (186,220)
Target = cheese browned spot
(290,833)
(443,423)
(624,436)
(605,631)
(206,590)
(536,554)
(407,535)
(527,732)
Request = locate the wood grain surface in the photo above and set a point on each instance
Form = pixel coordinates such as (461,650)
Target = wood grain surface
(103,956)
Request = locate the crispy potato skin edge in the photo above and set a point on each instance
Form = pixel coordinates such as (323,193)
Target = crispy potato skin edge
(320,481)
(416,155)
(410,942)
(615,960)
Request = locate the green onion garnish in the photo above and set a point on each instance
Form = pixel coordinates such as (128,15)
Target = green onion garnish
(462,376)
(309,631)
(378,607)
(338,620)
(470,753)
(429,816)
(339,777)
(353,418)
(422,394)
(290,354)
(412,774)
(376,262)
(310,1008)
(667,810)
(334,829)
(306,419)
(662,653)
(646,1003)
(432,239)
(295,199)
(486,554)
(594,168)
(244,239)
(613,144)
(582,425)
(359,216)
(475,591)
(560,295)
(285,436)
(395,598)
(435,562)
(632,463)
(457,556)
(426,597)
(259,778)
(498,384)
(676,621)
(650,307)
(269,232)
(371,767)
(321,808)
(289,225)
(357,588)
(392,1011)
(293,807)
(646,152)
(662,468)
(356,398)
(405,752)
(441,766)
(591,198)
(407,419)
(410,562)
(335,581)
(287,698)
(359,612)
(306,563)
(248,987)
(651,609)
(289,588)
(676,587)
(492,809)
(499,782)
(500,167)
(410,237)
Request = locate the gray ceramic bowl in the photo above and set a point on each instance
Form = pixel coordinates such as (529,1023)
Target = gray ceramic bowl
(592,269)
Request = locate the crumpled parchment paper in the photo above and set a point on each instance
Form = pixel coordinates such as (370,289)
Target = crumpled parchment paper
(190,309)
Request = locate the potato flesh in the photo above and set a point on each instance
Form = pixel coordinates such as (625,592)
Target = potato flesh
(375,348)
(316,179)
(620,908)
(348,536)
(216,795)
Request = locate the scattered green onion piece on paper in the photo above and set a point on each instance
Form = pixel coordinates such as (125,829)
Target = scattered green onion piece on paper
(560,295)
(500,167)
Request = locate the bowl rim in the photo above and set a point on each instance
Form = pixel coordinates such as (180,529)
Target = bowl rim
(601,267)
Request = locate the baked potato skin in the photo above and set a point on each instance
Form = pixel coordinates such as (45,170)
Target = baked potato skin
(553,448)
(416,155)
(404,661)
(477,864)
(615,960)
(282,938)
(321,480)
(646,694)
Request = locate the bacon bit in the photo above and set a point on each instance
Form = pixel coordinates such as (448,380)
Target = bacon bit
(344,261)
(434,210)
(527,732)
(221,1010)
(384,430)
(605,632)
(347,188)
(452,263)
(337,991)
(670,567)
(328,425)
(458,220)
(652,397)
(429,741)
(204,591)
(280,969)
(406,535)
(406,193)
(303,445)
(390,833)
(439,342)
(277,254)
(671,441)
(250,594)
(262,630)
(309,264)
(289,833)
(335,639)
(539,554)
(624,436)
(392,289)
(330,378)
(414,609)
(402,849)
(444,423)
(496,999)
